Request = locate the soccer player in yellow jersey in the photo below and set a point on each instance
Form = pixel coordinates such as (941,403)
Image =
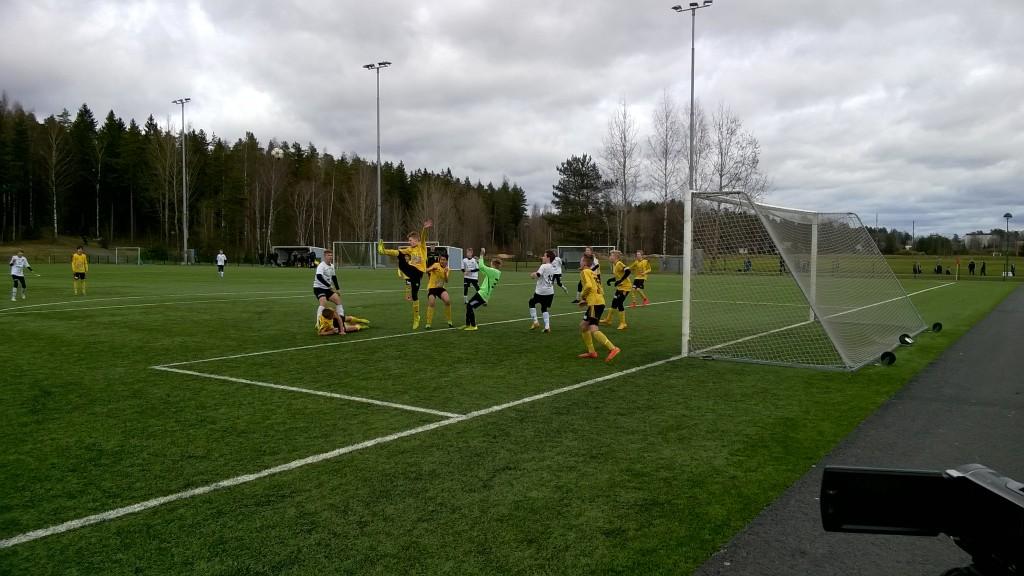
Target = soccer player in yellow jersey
(437,277)
(619,279)
(79,267)
(641,268)
(592,298)
(414,265)
(330,324)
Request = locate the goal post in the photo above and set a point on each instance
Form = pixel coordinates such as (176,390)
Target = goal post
(787,286)
(128,255)
(571,255)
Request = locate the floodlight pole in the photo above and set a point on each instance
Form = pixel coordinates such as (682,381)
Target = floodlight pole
(693,57)
(380,235)
(1006,247)
(184,185)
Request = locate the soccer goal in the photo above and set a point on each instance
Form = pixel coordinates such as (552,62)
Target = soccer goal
(570,255)
(779,285)
(364,254)
(127,255)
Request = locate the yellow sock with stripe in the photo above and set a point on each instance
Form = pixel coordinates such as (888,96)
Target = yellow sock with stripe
(588,341)
(622,316)
(448,312)
(602,340)
(416,311)
(430,315)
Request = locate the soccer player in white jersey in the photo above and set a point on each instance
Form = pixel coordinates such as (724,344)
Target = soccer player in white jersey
(544,293)
(221,261)
(556,263)
(470,275)
(18,264)
(325,287)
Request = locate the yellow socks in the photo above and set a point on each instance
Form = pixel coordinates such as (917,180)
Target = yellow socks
(588,340)
(602,340)
(448,313)
(430,315)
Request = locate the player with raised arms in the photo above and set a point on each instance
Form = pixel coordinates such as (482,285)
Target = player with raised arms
(619,279)
(437,277)
(325,287)
(414,265)
(544,293)
(593,302)
(640,268)
(490,277)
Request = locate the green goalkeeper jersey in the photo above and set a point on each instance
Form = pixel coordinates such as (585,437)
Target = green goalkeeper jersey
(488,279)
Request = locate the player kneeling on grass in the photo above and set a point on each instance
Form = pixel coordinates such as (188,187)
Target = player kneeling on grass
(437,276)
(489,276)
(592,299)
(544,293)
(330,323)
(619,279)
(640,268)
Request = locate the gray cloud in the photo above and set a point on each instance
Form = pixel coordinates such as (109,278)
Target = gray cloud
(913,111)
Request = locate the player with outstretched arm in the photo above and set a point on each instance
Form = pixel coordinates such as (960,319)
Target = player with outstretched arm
(490,275)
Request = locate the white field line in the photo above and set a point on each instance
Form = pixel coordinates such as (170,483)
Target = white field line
(805,322)
(245,478)
(115,298)
(309,391)
(21,309)
(751,303)
(354,341)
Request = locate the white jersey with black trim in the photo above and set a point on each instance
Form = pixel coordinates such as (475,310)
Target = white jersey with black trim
(545,280)
(325,271)
(470,269)
(221,259)
(18,265)
(557,264)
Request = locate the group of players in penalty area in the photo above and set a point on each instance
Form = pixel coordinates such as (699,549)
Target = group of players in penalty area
(484,276)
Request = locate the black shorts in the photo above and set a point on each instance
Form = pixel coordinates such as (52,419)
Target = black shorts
(18,280)
(620,297)
(436,292)
(220,267)
(78,275)
(593,314)
(638,284)
(467,282)
(322,293)
(544,300)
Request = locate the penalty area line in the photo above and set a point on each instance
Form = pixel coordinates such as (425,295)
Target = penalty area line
(309,391)
(314,459)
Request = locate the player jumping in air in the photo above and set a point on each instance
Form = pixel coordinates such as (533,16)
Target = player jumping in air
(544,293)
(79,267)
(329,324)
(619,279)
(490,276)
(325,287)
(437,277)
(470,273)
(641,268)
(414,265)
(593,302)
(18,264)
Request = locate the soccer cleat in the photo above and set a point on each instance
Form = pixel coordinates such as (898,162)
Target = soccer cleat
(380,247)
(415,323)
(606,321)
(611,354)
(587,355)
(470,328)
(622,326)
(547,330)
(535,325)
(427,326)
(576,301)
(646,301)
(13,299)
(450,325)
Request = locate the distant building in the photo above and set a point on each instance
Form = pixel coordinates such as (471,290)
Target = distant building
(979,241)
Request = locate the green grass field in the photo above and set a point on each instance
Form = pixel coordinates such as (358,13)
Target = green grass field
(497,451)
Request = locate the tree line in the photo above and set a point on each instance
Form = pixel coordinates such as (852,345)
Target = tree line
(113,181)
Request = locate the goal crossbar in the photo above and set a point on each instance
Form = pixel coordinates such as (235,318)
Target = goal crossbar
(123,250)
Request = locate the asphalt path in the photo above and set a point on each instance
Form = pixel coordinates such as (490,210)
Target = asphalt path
(966,407)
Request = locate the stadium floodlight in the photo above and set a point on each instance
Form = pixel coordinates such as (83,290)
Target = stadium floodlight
(786,286)
(1006,246)
(184,184)
(377,67)
(694,6)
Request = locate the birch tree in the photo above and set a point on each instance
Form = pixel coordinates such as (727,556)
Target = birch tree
(622,158)
(665,162)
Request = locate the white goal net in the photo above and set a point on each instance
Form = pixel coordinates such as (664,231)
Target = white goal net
(786,286)
(570,255)
(127,255)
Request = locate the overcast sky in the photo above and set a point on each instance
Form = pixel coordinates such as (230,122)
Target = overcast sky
(911,110)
